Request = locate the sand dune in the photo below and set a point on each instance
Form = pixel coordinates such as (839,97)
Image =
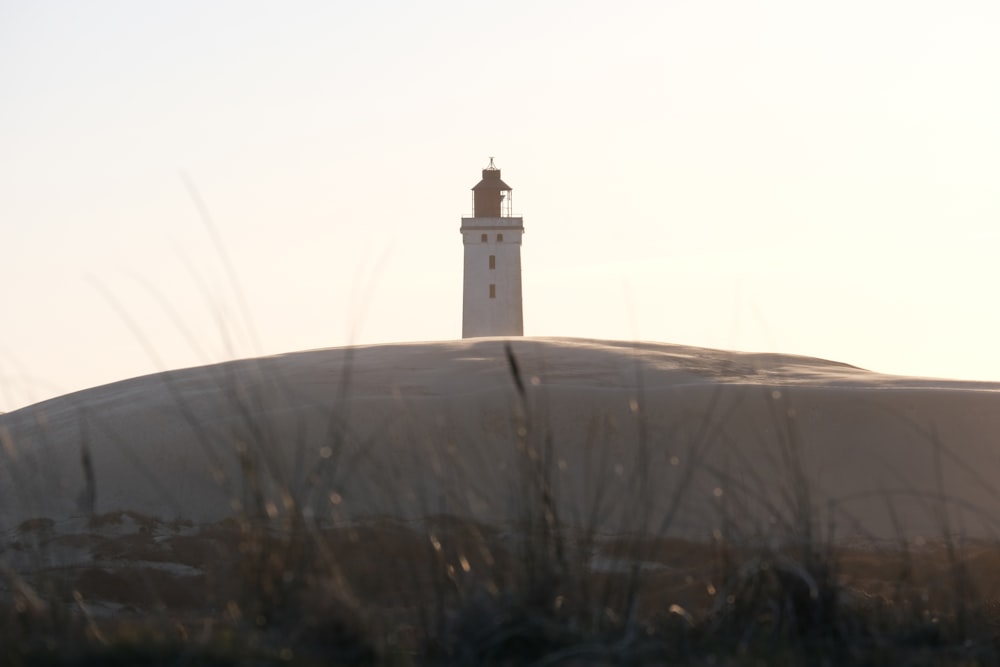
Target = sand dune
(641,436)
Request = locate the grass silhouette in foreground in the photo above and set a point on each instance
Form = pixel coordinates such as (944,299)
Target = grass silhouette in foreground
(276,585)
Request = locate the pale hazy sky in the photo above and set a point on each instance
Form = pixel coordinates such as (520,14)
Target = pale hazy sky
(789,176)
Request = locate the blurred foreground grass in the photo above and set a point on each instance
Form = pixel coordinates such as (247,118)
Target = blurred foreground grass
(273,585)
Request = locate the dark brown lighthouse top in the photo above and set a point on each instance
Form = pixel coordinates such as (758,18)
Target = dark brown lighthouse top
(488,194)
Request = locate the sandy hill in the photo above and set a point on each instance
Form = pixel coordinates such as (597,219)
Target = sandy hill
(633,436)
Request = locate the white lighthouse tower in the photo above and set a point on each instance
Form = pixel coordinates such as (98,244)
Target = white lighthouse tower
(491,296)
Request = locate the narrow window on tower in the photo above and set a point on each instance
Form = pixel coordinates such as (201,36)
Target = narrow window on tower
(483,238)
(493,261)
(493,291)
(499,237)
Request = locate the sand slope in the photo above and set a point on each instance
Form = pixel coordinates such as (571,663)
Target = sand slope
(636,436)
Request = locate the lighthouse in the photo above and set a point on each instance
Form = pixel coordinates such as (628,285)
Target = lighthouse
(491,293)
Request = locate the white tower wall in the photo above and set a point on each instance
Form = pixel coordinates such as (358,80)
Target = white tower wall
(491,295)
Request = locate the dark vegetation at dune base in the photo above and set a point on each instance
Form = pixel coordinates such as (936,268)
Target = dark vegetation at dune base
(452,592)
